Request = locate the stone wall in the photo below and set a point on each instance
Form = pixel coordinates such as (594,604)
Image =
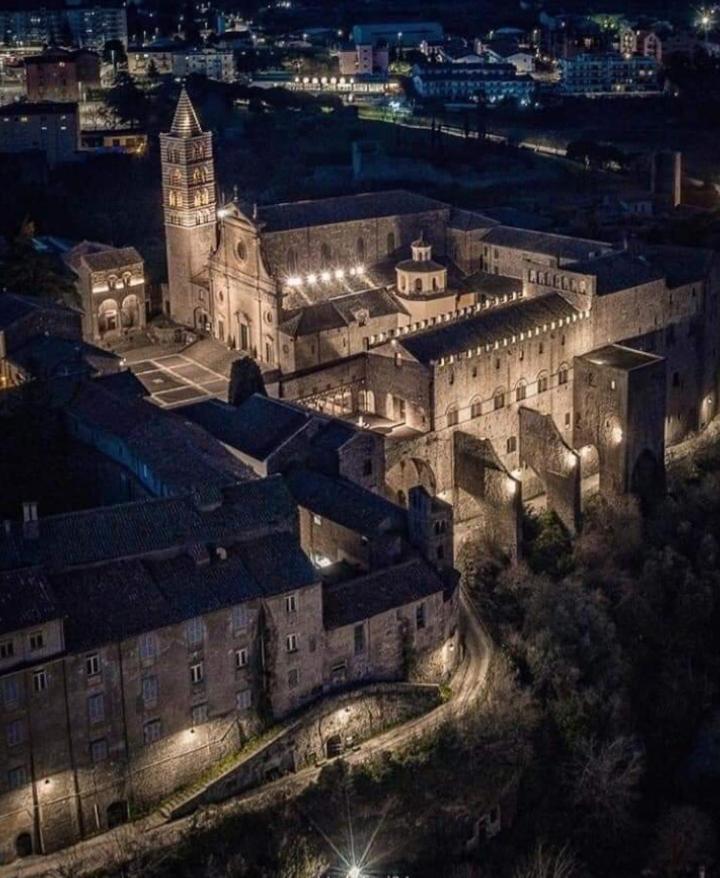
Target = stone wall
(342,722)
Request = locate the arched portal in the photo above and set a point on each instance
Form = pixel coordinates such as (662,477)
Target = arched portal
(130,312)
(117,813)
(24,844)
(108,316)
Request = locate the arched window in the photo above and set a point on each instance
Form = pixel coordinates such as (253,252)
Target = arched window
(520,390)
(197,199)
(198,151)
(127,277)
(391,242)
(499,399)
(434,284)
(173,198)
(563,373)
(325,255)
(172,155)
(205,196)
(360,251)
(175,176)
(199,175)
(291,261)
(418,285)
(542,382)
(112,281)
(476,408)
(452,416)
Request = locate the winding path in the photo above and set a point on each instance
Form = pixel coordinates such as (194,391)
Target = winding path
(468,685)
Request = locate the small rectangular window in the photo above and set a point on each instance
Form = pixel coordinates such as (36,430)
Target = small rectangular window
(10,692)
(293,678)
(511,444)
(195,632)
(243,699)
(37,641)
(291,603)
(420,616)
(147,646)
(96,708)
(40,680)
(239,618)
(199,714)
(241,658)
(92,664)
(98,750)
(17,777)
(359,639)
(150,691)
(197,673)
(15,732)
(7,649)
(291,643)
(152,731)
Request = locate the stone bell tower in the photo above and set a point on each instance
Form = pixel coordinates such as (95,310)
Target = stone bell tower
(189,206)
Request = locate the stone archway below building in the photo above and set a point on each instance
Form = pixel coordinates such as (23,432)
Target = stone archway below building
(408,473)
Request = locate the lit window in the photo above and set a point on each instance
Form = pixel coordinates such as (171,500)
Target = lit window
(241,658)
(40,680)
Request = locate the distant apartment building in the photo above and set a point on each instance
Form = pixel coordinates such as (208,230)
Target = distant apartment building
(608,73)
(85,26)
(61,75)
(49,128)
(406,34)
(488,82)
(363,60)
(214,63)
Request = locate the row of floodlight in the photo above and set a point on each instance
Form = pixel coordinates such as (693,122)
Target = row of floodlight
(325,276)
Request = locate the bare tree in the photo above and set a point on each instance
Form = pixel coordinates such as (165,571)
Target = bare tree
(547,862)
(603,780)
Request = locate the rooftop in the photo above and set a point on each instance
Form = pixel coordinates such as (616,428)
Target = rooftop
(619,270)
(345,503)
(345,208)
(559,246)
(619,357)
(257,428)
(26,599)
(353,600)
(486,327)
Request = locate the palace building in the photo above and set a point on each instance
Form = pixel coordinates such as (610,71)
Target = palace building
(499,363)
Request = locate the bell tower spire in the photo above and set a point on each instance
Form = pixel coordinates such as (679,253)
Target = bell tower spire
(190,208)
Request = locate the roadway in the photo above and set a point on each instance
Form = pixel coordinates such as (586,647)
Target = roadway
(153,833)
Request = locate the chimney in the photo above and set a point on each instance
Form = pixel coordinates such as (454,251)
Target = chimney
(30,520)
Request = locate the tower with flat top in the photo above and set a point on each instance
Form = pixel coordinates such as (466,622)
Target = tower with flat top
(189,207)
